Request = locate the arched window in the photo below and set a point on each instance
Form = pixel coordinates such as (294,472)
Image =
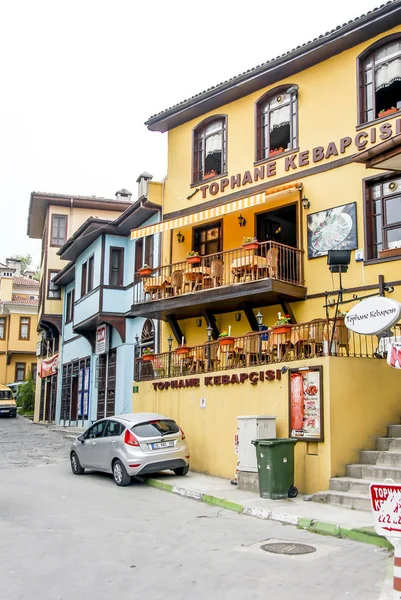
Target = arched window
(276,122)
(380,79)
(148,333)
(210,148)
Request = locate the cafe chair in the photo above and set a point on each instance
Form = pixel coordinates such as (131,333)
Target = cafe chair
(215,279)
(176,282)
(214,358)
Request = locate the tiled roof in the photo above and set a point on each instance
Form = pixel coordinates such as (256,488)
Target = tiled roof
(25,281)
(24,301)
(78,197)
(250,72)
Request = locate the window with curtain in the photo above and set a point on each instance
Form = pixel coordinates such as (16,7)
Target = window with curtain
(24,327)
(144,252)
(276,122)
(19,371)
(210,149)
(383,216)
(116,266)
(53,292)
(59,230)
(380,82)
(2,328)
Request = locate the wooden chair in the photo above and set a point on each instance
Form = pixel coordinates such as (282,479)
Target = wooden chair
(252,348)
(214,359)
(215,279)
(270,269)
(341,336)
(176,282)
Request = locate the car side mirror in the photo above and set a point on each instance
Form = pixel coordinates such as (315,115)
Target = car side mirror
(81,438)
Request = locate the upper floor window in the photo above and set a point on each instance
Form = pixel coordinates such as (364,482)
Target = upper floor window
(276,122)
(144,251)
(208,238)
(116,277)
(210,149)
(380,81)
(383,216)
(84,275)
(69,311)
(53,291)
(20,371)
(24,328)
(59,230)
(2,328)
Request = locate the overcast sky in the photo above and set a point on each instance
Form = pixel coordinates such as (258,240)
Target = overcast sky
(80,77)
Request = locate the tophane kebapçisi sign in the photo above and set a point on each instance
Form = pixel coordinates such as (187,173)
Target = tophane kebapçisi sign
(385,500)
(373,315)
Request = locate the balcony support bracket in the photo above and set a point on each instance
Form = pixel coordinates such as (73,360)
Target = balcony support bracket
(250,315)
(287,309)
(175,328)
(211,321)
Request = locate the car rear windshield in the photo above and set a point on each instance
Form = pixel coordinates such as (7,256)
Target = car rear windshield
(5,395)
(152,428)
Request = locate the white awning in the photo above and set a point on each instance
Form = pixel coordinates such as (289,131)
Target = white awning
(216,211)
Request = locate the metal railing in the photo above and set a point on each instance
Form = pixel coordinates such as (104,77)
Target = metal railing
(241,265)
(318,338)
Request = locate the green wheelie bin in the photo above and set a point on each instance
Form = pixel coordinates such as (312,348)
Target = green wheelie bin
(276,468)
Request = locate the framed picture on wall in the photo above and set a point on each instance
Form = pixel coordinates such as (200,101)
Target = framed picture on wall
(332,229)
(306,404)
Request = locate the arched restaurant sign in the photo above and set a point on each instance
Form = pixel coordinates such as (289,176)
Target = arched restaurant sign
(373,315)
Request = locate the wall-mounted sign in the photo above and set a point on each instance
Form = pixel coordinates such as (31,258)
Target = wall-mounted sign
(49,367)
(102,339)
(394,355)
(38,348)
(385,501)
(306,404)
(216,380)
(332,229)
(373,315)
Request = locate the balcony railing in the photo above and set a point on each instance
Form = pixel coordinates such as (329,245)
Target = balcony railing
(321,337)
(241,265)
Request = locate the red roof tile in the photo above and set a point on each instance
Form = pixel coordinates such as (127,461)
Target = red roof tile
(25,281)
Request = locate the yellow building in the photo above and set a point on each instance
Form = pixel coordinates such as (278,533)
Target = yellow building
(53,218)
(18,320)
(267,172)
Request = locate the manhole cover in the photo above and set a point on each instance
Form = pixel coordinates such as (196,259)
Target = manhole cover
(288,548)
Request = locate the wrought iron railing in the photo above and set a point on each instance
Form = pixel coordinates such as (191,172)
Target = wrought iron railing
(318,338)
(248,263)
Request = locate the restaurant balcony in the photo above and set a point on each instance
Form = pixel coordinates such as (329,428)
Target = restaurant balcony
(284,343)
(257,274)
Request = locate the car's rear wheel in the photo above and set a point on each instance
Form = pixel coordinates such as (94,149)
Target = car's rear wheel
(76,467)
(181,471)
(120,475)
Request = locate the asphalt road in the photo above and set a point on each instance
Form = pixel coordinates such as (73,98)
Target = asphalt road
(64,537)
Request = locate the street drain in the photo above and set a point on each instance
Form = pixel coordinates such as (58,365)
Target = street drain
(288,548)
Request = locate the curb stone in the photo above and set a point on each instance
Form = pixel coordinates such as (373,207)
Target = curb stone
(365,535)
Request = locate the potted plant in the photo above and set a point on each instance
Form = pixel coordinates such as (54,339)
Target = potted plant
(276,151)
(250,243)
(389,252)
(148,354)
(225,339)
(183,349)
(193,257)
(283,324)
(210,174)
(145,271)
(387,111)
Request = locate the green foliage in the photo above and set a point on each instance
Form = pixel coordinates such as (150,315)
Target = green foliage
(26,394)
(26,264)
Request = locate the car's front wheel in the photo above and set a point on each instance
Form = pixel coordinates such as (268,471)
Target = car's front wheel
(181,471)
(76,467)
(120,475)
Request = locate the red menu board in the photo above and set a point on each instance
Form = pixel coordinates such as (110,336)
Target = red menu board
(305,404)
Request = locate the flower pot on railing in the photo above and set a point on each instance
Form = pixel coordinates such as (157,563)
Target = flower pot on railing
(147,357)
(145,271)
(250,244)
(285,328)
(210,174)
(389,252)
(182,350)
(386,113)
(226,340)
(275,152)
(193,258)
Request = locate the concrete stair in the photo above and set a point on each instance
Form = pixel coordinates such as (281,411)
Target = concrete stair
(352,491)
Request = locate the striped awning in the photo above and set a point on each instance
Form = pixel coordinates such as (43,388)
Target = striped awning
(216,211)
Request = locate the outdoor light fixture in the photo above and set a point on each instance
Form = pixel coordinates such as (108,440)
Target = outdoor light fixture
(209,330)
(238,317)
(305,203)
(284,370)
(170,342)
(137,338)
(199,322)
(241,221)
(338,260)
(259,318)
(180,237)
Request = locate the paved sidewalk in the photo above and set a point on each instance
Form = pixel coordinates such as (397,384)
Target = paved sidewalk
(313,516)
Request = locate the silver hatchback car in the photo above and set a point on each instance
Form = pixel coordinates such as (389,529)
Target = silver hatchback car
(129,445)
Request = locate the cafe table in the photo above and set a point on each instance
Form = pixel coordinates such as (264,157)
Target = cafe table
(248,264)
(194,276)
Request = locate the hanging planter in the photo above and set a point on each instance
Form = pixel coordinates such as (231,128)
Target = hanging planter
(387,112)
(193,258)
(250,243)
(145,271)
(210,174)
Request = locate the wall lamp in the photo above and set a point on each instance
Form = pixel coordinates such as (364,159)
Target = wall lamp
(241,221)
(305,203)
(284,370)
(180,237)
(238,317)
(199,322)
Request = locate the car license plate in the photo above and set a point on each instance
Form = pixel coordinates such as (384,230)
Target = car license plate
(158,445)
(4,410)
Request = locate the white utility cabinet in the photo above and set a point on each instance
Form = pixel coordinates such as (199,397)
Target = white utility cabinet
(253,427)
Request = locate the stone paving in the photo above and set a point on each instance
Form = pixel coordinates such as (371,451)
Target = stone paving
(24,444)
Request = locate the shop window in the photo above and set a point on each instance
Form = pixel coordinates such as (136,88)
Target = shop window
(116,276)
(19,371)
(210,149)
(53,292)
(69,312)
(59,230)
(383,216)
(276,122)
(380,79)
(144,252)
(208,238)
(34,370)
(24,328)
(2,328)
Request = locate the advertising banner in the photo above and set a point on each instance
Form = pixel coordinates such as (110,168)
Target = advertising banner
(102,339)
(49,367)
(306,404)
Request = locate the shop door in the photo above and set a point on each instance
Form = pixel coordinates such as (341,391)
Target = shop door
(279,225)
(47,400)
(42,399)
(83,389)
(53,397)
(65,406)
(111,383)
(101,385)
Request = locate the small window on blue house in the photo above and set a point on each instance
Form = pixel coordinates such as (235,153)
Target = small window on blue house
(116,276)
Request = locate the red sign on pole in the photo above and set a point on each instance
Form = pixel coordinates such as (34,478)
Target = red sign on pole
(386,507)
